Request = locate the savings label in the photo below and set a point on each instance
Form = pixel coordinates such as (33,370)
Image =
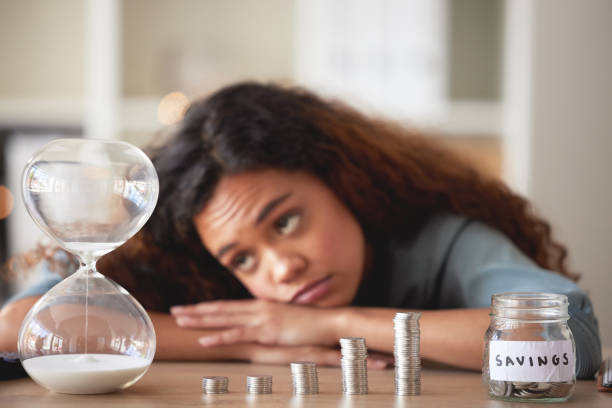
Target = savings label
(533,361)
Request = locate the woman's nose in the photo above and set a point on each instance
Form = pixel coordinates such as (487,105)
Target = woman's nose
(286,267)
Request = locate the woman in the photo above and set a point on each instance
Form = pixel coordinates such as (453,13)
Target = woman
(332,222)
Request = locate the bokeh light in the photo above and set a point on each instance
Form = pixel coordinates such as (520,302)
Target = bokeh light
(6,202)
(171,108)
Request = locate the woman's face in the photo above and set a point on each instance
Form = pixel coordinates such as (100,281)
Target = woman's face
(285,236)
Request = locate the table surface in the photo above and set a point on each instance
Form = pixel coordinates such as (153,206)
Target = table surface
(179,384)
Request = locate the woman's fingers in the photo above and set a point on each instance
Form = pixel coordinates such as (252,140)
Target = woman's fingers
(378,360)
(231,336)
(323,356)
(377,364)
(213,320)
(320,355)
(218,306)
(328,357)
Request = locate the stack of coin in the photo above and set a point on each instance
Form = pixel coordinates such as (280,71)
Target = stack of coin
(354,366)
(406,353)
(214,385)
(305,379)
(259,384)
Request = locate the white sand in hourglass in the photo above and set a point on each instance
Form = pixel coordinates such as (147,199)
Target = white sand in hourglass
(86,373)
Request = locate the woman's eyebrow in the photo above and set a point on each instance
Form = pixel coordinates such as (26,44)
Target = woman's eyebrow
(224,249)
(267,209)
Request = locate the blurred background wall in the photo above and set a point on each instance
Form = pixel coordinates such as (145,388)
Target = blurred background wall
(522,87)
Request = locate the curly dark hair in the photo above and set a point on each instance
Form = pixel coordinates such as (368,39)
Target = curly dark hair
(389,177)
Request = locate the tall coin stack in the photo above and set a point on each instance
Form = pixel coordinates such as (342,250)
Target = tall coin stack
(354,366)
(305,379)
(406,353)
(214,385)
(259,384)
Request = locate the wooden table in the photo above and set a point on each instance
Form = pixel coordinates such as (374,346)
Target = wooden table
(179,384)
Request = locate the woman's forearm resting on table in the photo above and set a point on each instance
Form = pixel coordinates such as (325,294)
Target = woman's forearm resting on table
(175,343)
(172,341)
(280,333)
(452,337)
(11,317)
(449,336)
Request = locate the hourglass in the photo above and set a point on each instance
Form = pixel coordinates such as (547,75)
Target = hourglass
(88,335)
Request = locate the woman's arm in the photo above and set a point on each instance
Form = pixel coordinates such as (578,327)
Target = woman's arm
(11,317)
(454,337)
(175,343)
(483,262)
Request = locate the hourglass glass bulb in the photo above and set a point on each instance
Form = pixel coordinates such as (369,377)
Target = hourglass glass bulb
(88,334)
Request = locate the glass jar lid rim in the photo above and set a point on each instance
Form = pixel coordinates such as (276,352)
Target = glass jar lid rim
(530,295)
(533,299)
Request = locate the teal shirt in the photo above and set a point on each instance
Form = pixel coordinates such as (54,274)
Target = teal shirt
(455,262)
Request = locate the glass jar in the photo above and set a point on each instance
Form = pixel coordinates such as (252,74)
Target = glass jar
(530,354)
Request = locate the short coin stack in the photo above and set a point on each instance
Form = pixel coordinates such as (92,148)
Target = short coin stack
(305,379)
(259,384)
(406,353)
(214,385)
(354,366)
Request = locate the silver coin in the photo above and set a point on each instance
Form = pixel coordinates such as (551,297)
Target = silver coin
(407,316)
(305,379)
(523,385)
(525,393)
(259,384)
(353,342)
(406,352)
(411,391)
(214,384)
(501,388)
(407,376)
(560,390)
(354,365)
(540,387)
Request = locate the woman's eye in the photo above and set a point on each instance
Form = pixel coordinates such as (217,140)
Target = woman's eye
(243,261)
(288,223)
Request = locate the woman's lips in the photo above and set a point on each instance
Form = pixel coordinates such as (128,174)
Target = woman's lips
(313,292)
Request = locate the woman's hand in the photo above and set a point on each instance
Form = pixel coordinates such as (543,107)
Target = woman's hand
(261,321)
(263,354)
(322,356)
